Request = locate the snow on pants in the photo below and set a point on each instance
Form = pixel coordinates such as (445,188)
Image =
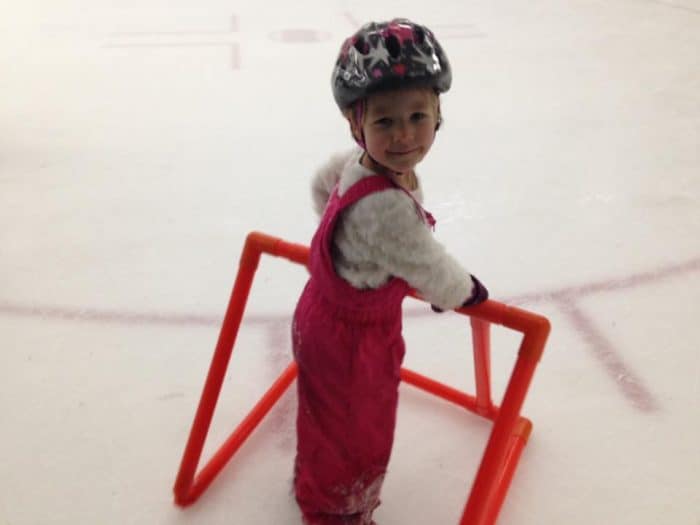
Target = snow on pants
(348,346)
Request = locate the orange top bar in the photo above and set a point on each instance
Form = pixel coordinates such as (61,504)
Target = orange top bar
(264,243)
(535,327)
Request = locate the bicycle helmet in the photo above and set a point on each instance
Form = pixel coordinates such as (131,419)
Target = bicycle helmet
(389,55)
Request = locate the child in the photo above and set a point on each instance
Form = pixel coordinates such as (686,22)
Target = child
(372,246)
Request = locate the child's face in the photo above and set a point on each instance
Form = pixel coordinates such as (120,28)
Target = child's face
(399,127)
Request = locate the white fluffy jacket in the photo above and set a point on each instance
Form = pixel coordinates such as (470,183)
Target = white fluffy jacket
(382,235)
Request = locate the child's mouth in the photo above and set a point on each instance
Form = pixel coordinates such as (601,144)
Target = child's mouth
(402,152)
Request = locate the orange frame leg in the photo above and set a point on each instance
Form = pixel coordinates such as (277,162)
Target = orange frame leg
(510,430)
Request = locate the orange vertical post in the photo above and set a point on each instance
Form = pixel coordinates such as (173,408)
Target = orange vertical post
(481,339)
(217,370)
(186,489)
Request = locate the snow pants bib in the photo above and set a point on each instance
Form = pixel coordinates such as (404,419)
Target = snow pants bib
(348,346)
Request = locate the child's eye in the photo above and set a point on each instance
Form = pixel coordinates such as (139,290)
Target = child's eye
(418,116)
(383,122)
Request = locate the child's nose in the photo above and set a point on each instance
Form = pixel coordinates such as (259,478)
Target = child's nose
(402,131)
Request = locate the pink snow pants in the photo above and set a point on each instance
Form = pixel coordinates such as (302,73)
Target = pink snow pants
(349,348)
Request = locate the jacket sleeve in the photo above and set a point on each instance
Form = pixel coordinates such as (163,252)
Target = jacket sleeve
(325,179)
(388,226)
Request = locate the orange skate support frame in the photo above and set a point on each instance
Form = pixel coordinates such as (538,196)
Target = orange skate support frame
(510,430)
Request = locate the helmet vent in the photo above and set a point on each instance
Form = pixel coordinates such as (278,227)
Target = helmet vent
(393,46)
(361,45)
(418,35)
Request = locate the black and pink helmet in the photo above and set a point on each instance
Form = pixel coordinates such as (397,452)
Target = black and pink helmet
(389,55)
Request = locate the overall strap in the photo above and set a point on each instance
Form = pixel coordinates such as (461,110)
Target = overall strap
(375,183)
(364,187)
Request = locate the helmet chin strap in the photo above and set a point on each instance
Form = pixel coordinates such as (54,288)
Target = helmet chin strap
(358,111)
(381,167)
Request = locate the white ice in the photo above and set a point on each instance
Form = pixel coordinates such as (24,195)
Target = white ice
(141,141)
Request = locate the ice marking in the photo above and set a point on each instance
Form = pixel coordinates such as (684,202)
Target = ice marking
(145,39)
(631,386)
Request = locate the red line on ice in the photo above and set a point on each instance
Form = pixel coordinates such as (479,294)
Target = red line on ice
(609,285)
(632,387)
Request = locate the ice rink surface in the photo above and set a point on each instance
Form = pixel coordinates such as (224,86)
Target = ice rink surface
(141,142)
